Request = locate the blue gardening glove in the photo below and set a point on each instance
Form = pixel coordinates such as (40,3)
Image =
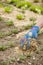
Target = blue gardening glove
(33,33)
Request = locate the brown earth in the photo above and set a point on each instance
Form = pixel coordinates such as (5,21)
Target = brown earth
(13,55)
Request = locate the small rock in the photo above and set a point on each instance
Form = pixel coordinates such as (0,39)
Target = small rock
(29,63)
(33,57)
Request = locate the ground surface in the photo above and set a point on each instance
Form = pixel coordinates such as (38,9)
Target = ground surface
(13,55)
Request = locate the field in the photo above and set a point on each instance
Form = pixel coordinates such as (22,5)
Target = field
(16,19)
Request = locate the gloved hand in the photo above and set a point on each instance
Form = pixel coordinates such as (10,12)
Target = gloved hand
(33,33)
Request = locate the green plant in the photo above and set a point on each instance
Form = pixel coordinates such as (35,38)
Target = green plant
(4,63)
(13,1)
(15,31)
(1,34)
(32,19)
(23,11)
(23,3)
(11,44)
(27,27)
(1,19)
(36,9)
(22,57)
(8,9)
(1,5)
(3,48)
(12,59)
(9,23)
(36,1)
(20,17)
(9,1)
(8,33)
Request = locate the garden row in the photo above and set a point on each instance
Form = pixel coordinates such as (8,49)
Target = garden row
(15,30)
(22,4)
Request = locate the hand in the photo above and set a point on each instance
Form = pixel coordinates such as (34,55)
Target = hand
(33,33)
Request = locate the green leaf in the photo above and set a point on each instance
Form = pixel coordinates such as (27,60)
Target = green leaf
(8,9)
(20,17)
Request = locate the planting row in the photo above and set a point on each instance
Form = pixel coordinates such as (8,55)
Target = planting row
(23,5)
(15,30)
(9,45)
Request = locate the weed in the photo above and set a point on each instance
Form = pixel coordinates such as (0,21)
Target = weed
(8,9)
(9,23)
(15,31)
(20,17)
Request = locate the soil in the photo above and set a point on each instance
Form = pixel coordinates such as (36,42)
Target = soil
(13,54)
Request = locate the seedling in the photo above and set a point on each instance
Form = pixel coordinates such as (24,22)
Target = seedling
(27,27)
(9,1)
(1,5)
(11,44)
(20,17)
(8,9)
(36,9)
(13,1)
(15,31)
(12,59)
(9,23)
(22,57)
(24,7)
(3,48)
(8,33)
(1,35)
(32,19)
(23,11)
(4,63)
(23,3)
